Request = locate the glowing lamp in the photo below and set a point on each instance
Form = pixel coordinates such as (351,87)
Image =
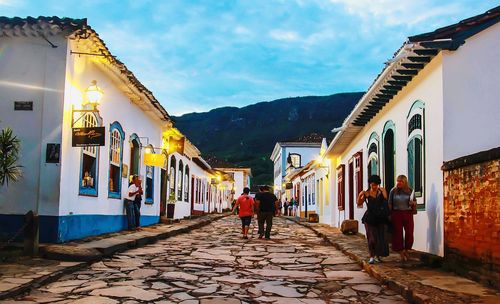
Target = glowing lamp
(94,94)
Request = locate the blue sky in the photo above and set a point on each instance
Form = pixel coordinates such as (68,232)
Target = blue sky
(199,55)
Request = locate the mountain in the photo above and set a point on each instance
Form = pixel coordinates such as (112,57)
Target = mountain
(246,136)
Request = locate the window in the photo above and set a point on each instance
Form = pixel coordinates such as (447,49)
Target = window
(180,179)
(415,147)
(294,160)
(89,166)
(150,173)
(389,154)
(373,163)
(115,160)
(341,187)
(358,169)
(186,184)
(171,178)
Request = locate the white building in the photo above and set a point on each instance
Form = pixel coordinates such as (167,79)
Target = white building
(435,101)
(47,65)
(291,155)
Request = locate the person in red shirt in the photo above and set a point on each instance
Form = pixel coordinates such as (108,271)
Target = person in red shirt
(245,203)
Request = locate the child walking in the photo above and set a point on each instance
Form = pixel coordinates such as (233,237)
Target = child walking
(245,203)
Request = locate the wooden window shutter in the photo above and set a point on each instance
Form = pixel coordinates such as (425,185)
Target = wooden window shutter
(359,171)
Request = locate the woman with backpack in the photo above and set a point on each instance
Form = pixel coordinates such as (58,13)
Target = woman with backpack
(402,203)
(375,218)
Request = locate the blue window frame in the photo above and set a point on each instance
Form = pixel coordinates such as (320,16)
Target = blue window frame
(89,164)
(150,178)
(117,137)
(416,150)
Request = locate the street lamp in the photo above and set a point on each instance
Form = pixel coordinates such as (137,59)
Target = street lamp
(93,96)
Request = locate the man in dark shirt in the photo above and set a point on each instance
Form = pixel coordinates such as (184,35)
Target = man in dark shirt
(267,207)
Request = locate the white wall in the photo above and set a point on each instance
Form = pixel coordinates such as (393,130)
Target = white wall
(115,106)
(31,70)
(471,95)
(426,86)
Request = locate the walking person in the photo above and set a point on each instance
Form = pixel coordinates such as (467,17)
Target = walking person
(267,206)
(285,207)
(245,204)
(375,218)
(137,203)
(403,204)
(290,206)
(133,191)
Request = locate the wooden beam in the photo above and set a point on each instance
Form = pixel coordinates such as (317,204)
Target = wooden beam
(423,59)
(401,78)
(392,92)
(397,83)
(384,96)
(393,87)
(416,66)
(426,52)
(407,72)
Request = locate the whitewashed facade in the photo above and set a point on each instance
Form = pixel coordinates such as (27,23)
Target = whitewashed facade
(437,100)
(300,154)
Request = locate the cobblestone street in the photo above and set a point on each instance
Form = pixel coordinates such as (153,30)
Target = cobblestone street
(215,265)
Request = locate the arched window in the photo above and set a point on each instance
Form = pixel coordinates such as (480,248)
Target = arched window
(171,178)
(415,147)
(389,154)
(89,166)
(373,163)
(186,184)
(150,177)
(180,178)
(115,160)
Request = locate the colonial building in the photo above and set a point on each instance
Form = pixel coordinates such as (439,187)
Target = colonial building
(436,100)
(78,155)
(290,155)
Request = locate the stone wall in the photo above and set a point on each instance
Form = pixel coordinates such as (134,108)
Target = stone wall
(472,215)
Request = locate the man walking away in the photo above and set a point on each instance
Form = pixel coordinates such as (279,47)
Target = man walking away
(267,206)
(245,203)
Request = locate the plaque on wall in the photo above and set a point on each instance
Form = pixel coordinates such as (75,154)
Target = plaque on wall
(53,153)
(124,171)
(23,105)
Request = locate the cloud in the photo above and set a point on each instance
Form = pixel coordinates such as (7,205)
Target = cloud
(281,35)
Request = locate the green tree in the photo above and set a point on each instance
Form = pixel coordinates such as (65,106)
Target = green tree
(9,155)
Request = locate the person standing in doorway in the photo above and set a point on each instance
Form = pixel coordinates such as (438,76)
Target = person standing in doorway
(245,204)
(267,205)
(375,218)
(132,193)
(137,203)
(403,204)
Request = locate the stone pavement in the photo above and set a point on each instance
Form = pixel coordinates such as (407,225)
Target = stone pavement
(59,259)
(413,280)
(215,265)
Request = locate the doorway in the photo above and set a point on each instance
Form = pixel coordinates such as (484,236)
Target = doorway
(351,189)
(389,152)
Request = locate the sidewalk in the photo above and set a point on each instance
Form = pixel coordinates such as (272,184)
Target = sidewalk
(60,259)
(413,280)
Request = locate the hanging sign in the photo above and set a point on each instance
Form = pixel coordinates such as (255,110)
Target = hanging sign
(85,137)
(176,145)
(156,160)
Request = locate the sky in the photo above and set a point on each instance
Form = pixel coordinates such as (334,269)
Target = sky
(199,55)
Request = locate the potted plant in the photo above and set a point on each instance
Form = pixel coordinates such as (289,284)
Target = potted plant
(9,155)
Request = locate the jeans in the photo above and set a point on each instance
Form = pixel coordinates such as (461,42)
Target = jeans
(130,211)
(137,213)
(265,217)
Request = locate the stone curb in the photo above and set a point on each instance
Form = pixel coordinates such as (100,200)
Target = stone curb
(405,291)
(46,279)
(100,253)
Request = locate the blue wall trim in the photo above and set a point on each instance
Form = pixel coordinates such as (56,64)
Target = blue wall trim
(59,229)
